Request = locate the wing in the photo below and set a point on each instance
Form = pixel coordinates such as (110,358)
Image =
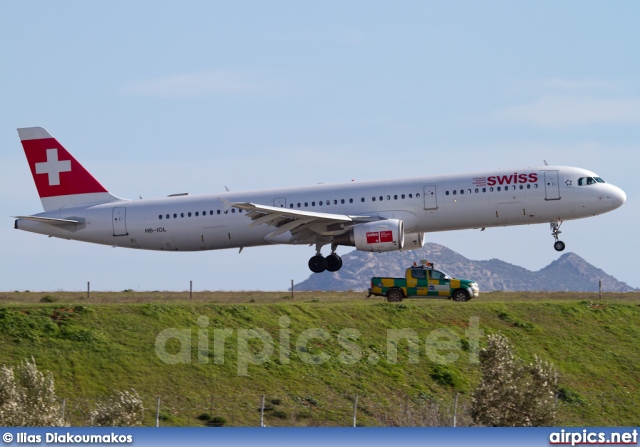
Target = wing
(306,227)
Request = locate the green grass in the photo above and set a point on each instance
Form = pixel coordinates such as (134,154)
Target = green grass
(108,342)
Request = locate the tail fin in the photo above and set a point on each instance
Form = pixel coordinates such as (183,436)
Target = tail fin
(61,181)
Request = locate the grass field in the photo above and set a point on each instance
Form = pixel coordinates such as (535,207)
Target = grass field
(310,355)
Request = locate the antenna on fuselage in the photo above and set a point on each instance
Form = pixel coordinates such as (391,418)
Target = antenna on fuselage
(545,163)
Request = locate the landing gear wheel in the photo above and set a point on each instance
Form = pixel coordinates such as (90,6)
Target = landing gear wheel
(318,264)
(460,295)
(394,296)
(334,262)
(555,232)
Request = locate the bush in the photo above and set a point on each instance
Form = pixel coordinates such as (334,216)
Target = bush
(123,409)
(216,421)
(28,398)
(48,299)
(512,393)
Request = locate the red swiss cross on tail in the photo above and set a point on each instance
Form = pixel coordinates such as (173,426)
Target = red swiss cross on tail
(61,181)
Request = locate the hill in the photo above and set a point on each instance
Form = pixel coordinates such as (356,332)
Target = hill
(568,273)
(312,358)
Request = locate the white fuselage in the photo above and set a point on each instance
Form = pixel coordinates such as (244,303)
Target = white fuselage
(424,204)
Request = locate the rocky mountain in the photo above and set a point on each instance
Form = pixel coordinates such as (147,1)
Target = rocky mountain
(568,273)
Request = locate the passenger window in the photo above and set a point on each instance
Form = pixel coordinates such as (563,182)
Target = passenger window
(418,194)
(499,188)
(189,214)
(306,204)
(419,274)
(342,201)
(373,199)
(160,217)
(402,196)
(477,190)
(410,196)
(168,215)
(362,200)
(335,201)
(484,189)
(181,214)
(197,214)
(381,198)
(446,193)
(462,191)
(313,203)
(491,189)
(350,200)
(455,192)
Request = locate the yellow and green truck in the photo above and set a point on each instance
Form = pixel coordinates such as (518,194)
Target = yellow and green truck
(424,280)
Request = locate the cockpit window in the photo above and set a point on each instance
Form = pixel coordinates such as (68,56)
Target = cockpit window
(589,181)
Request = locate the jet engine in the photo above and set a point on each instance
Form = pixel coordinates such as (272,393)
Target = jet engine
(383,235)
(413,241)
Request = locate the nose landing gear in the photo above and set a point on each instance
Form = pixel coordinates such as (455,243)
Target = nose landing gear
(555,232)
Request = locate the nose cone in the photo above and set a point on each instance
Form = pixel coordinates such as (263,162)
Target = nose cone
(616,196)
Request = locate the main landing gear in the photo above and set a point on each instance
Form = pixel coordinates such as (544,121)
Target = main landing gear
(319,263)
(555,232)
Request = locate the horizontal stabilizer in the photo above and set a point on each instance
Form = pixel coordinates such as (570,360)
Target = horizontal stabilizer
(52,221)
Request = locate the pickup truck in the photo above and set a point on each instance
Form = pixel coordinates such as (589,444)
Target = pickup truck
(424,280)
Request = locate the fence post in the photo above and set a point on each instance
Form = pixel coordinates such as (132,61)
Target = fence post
(292,289)
(455,410)
(64,404)
(355,410)
(88,290)
(158,412)
(262,412)
(190,289)
(600,289)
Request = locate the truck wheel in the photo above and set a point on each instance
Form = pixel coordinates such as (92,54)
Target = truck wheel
(394,296)
(460,295)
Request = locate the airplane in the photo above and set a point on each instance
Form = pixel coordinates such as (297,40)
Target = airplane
(375,216)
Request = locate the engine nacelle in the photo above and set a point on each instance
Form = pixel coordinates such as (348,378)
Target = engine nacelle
(413,241)
(383,235)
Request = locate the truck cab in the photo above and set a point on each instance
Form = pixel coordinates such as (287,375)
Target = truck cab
(424,280)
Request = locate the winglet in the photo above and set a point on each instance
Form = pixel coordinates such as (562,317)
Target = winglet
(227,203)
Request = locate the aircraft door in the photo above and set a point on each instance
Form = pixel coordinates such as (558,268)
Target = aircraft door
(551,185)
(430,199)
(214,238)
(280,202)
(120,221)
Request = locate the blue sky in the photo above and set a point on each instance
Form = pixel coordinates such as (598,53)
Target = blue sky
(157,98)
